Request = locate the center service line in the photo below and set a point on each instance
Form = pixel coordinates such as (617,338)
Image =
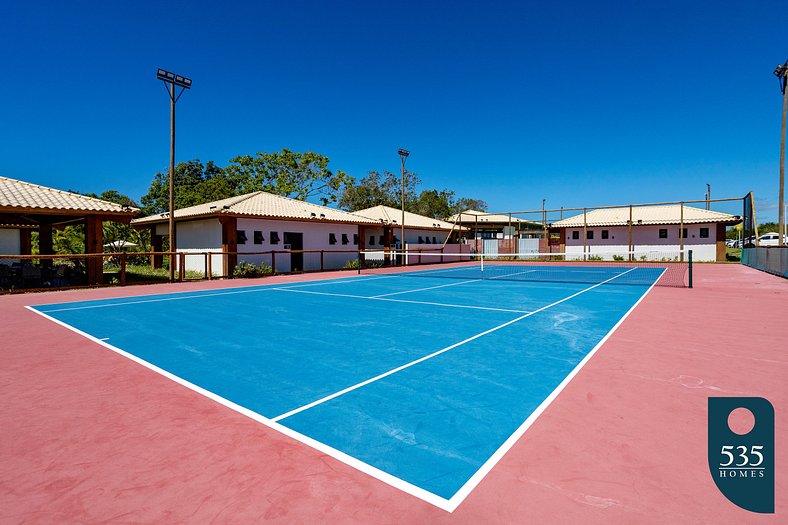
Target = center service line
(441,351)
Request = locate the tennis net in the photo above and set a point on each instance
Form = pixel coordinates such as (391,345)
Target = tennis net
(633,268)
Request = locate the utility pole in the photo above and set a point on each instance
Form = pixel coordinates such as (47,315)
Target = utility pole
(171,80)
(782,75)
(708,196)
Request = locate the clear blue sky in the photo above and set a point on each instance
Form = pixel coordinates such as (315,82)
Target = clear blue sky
(581,103)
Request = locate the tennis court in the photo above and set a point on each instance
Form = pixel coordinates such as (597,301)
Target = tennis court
(421,381)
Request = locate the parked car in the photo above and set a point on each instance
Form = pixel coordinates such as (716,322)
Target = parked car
(731,243)
(771,239)
(749,242)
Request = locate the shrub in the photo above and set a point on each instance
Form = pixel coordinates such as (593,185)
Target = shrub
(618,257)
(595,258)
(247,269)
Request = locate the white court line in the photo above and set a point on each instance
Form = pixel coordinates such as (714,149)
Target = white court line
(438,501)
(448,305)
(385,477)
(142,301)
(488,465)
(434,354)
(356,279)
(422,289)
(255,289)
(510,274)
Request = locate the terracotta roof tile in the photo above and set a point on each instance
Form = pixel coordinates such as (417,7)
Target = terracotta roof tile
(264,205)
(16,194)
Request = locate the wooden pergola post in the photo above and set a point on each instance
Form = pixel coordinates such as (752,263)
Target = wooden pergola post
(362,244)
(25,241)
(45,242)
(94,244)
(156,246)
(230,244)
(388,238)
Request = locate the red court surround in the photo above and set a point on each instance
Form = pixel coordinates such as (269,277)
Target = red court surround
(88,436)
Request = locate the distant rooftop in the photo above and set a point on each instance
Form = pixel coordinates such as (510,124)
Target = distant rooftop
(260,204)
(473,216)
(666,214)
(392,216)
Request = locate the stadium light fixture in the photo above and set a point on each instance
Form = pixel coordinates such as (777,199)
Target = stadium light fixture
(403,154)
(172,81)
(781,72)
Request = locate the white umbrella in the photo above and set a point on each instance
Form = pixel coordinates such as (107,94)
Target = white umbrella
(120,244)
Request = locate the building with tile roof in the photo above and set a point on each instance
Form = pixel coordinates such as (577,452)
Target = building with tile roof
(305,236)
(26,207)
(668,229)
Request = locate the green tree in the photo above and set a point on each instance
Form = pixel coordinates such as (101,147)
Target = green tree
(288,173)
(112,231)
(377,189)
(437,204)
(195,183)
(464,203)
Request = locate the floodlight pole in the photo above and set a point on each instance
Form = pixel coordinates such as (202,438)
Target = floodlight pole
(403,154)
(782,75)
(171,80)
(173,243)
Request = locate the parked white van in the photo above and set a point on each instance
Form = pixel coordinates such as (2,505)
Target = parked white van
(771,239)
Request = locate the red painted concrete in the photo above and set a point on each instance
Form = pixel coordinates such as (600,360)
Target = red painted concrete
(88,436)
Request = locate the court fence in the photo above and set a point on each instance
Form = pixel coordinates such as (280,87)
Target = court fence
(770,259)
(35,273)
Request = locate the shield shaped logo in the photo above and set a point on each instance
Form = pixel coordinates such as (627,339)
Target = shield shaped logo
(742,464)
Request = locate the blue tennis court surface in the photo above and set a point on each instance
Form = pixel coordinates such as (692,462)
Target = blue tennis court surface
(420,380)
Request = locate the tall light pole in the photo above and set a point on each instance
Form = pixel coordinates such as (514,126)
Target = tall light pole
(171,81)
(782,75)
(708,196)
(403,154)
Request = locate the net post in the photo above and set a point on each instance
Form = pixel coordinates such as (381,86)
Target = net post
(482,263)
(689,261)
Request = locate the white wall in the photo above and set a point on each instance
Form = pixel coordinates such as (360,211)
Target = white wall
(411,236)
(646,239)
(9,244)
(315,235)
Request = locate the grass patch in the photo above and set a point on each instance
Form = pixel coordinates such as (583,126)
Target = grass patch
(733,254)
(142,274)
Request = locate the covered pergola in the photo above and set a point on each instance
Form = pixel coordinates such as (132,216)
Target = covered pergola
(25,208)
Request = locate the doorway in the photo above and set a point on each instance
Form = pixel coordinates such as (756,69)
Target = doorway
(296,242)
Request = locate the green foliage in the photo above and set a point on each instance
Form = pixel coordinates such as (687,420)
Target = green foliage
(377,189)
(595,258)
(287,173)
(137,273)
(386,189)
(195,183)
(247,269)
(618,257)
(290,174)
(768,227)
